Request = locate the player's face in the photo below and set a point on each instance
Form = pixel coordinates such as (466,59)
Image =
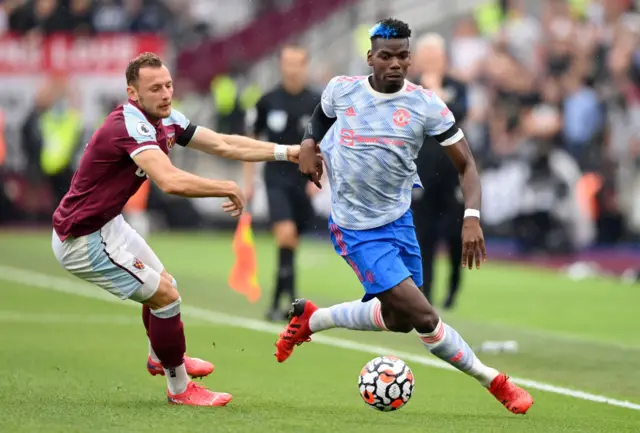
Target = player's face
(153,91)
(294,67)
(390,60)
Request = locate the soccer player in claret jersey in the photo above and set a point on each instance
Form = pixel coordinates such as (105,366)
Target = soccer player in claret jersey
(92,241)
(369,131)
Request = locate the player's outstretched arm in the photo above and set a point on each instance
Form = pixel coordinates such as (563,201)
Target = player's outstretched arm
(473,240)
(171,180)
(241,148)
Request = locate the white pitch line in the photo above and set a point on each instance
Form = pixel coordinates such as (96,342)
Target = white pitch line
(66,319)
(77,287)
(14,316)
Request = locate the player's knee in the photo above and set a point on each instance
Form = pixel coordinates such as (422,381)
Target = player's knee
(395,323)
(170,310)
(426,322)
(401,327)
(166,295)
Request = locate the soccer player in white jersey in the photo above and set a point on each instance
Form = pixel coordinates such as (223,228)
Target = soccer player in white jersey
(92,241)
(369,131)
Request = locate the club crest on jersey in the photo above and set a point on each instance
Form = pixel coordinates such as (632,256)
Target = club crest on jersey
(171,140)
(138,264)
(401,117)
(144,129)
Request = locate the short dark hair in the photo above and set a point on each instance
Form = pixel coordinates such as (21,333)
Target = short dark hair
(390,28)
(144,60)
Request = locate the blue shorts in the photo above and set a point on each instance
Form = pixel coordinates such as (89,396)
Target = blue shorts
(382,257)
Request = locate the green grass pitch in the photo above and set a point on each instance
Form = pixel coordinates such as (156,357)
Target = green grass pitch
(73,363)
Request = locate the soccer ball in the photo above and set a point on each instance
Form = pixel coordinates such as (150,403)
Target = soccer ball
(386,383)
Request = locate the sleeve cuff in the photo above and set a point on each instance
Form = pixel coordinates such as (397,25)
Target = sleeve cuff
(143,148)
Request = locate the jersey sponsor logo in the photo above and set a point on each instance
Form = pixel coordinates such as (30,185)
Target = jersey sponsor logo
(349,138)
(138,264)
(401,117)
(348,79)
(140,173)
(277,120)
(144,129)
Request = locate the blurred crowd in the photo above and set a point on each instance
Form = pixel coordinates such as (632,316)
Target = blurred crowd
(551,99)
(554,118)
(181,20)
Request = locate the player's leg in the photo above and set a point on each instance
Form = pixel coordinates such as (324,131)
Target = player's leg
(102,259)
(366,252)
(285,233)
(138,247)
(407,302)
(166,333)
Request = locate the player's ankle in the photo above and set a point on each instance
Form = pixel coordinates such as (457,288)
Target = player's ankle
(321,320)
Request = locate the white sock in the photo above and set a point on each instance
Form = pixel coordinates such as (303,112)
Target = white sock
(177,379)
(152,354)
(356,315)
(445,343)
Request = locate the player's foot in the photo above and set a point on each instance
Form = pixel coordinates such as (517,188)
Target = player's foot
(196,368)
(196,395)
(514,398)
(297,330)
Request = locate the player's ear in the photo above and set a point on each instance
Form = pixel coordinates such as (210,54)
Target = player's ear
(370,58)
(131,93)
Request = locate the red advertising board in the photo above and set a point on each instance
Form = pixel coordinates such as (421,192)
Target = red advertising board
(104,54)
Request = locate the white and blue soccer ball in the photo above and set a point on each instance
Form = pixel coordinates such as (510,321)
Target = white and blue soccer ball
(386,383)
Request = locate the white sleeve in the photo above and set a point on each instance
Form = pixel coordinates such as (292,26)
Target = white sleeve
(326,102)
(440,121)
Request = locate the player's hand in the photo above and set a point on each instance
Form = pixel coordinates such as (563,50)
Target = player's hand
(310,162)
(473,248)
(236,202)
(293,153)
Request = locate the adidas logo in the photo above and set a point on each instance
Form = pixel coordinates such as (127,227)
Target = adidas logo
(350,112)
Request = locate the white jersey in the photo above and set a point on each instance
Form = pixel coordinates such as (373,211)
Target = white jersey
(370,149)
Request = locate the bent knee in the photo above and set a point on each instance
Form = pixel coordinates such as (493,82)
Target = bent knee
(167,276)
(166,295)
(400,327)
(394,323)
(427,322)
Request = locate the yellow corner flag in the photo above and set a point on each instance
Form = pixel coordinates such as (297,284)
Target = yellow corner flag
(244,274)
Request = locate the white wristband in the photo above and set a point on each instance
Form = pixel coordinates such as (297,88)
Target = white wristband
(280,152)
(472,213)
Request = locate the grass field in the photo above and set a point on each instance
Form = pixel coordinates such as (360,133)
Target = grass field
(73,358)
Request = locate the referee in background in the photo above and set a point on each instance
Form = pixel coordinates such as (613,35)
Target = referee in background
(281,116)
(439,208)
